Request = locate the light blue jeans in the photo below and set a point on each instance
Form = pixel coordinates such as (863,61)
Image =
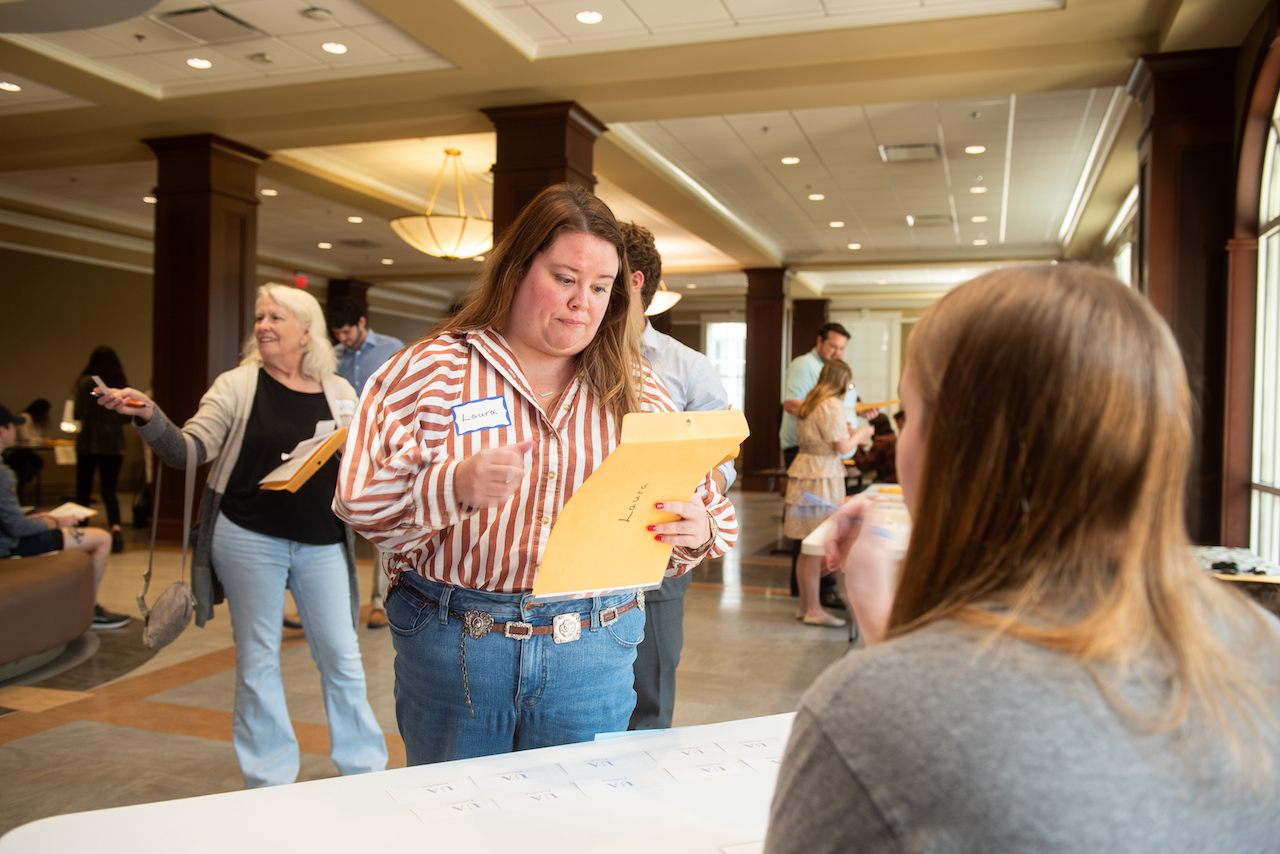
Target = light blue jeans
(524,693)
(254,570)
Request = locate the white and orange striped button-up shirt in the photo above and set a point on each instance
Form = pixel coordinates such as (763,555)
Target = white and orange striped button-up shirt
(396,483)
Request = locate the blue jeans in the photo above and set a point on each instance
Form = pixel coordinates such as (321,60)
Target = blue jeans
(254,570)
(524,693)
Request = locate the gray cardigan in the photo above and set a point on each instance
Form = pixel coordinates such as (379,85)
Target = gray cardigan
(219,425)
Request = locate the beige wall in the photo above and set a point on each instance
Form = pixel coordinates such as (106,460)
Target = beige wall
(56,312)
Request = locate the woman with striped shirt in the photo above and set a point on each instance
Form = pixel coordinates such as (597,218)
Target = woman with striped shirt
(466,446)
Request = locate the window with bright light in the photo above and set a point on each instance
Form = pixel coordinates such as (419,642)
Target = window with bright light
(1265,489)
(727,350)
(1123,263)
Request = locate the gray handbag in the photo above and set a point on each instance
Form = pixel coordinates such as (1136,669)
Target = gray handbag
(173,610)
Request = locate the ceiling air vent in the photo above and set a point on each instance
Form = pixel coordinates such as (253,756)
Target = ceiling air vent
(209,24)
(359,243)
(928,220)
(904,153)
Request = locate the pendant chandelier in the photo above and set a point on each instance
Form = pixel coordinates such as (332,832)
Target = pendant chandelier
(663,300)
(451,236)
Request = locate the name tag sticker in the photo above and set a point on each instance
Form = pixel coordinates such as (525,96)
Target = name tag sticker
(345,406)
(482,414)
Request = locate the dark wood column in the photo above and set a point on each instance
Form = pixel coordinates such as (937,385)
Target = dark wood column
(766,316)
(540,145)
(807,319)
(1242,285)
(1187,178)
(206,248)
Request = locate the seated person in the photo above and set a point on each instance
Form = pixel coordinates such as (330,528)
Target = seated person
(880,460)
(27,464)
(23,536)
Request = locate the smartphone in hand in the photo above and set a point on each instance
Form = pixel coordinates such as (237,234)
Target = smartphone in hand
(102,389)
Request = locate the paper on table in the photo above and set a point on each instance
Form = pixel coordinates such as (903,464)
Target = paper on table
(549,794)
(764,763)
(433,813)
(709,769)
(744,848)
(448,789)
(73,510)
(521,776)
(753,747)
(622,783)
(693,754)
(662,455)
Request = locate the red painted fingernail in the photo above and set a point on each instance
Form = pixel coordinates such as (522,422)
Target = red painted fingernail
(658,538)
(651,527)
(658,505)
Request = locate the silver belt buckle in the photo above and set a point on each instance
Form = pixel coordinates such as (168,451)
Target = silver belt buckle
(511,624)
(640,600)
(611,619)
(566,628)
(478,623)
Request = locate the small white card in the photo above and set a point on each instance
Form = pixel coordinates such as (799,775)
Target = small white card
(549,795)
(483,414)
(451,789)
(431,813)
(744,848)
(694,754)
(764,763)
(523,777)
(606,765)
(711,769)
(620,783)
(753,747)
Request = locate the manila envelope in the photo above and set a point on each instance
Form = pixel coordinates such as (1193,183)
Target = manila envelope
(599,543)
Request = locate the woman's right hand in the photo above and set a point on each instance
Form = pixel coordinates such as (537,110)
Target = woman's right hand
(490,477)
(122,400)
(870,568)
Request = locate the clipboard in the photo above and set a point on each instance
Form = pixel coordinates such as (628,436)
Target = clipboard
(303,462)
(867,407)
(600,543)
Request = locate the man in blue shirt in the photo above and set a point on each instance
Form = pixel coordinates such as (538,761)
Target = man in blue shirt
(802,376)
(361,351)
(694,386)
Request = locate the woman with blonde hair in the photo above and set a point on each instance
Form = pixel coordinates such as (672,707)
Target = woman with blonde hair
(254,543)
(1052,671)
(815,480)
(467,445)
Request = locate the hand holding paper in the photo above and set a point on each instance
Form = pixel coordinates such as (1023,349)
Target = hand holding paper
(492,476)
(691,530)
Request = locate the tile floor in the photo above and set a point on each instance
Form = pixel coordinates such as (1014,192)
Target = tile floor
(111,724)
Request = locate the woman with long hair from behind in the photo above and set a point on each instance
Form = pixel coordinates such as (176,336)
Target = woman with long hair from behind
(1051,671)
(815,480)
(100,442)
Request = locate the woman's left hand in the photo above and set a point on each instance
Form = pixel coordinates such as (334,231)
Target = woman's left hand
(692,530)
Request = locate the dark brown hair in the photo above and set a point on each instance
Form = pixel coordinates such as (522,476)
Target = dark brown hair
(610,362)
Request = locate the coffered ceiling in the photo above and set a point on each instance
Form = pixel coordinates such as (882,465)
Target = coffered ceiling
(703,99)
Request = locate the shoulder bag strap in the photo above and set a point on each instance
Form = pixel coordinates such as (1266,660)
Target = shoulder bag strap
(188,496)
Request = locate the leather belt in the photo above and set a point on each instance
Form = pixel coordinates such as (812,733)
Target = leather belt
(564,628)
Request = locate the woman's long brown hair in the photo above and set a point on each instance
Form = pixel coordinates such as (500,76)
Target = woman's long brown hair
(1058,436)
(833,381)
(610,363)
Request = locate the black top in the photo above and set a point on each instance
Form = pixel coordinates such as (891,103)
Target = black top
(280,419)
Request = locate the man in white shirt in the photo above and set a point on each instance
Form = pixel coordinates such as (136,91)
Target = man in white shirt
(694,386)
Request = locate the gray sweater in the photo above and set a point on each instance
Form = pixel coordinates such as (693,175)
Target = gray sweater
(926,744)
(14,525)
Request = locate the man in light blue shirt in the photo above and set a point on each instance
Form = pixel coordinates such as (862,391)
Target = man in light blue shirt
(361,351)
(694,386)
(802,376)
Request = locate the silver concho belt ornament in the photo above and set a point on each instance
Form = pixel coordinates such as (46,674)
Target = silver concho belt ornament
(478,623)
(566,628)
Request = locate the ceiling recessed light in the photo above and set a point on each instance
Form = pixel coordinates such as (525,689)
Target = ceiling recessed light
(836,224)
(333,47)
(10,87)
(388,261)
(691,286)
(151,200)
(816,197)
(974,149)
(270,192)
(589,17)
(855,245)
(980,242)
(790,161)
(197,62)
(977,189)
(977,219)
(325,245)
(355,219)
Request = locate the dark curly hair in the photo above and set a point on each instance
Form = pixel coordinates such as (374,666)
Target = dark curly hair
(642,255)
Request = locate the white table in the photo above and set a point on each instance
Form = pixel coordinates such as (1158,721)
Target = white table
(709,790)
